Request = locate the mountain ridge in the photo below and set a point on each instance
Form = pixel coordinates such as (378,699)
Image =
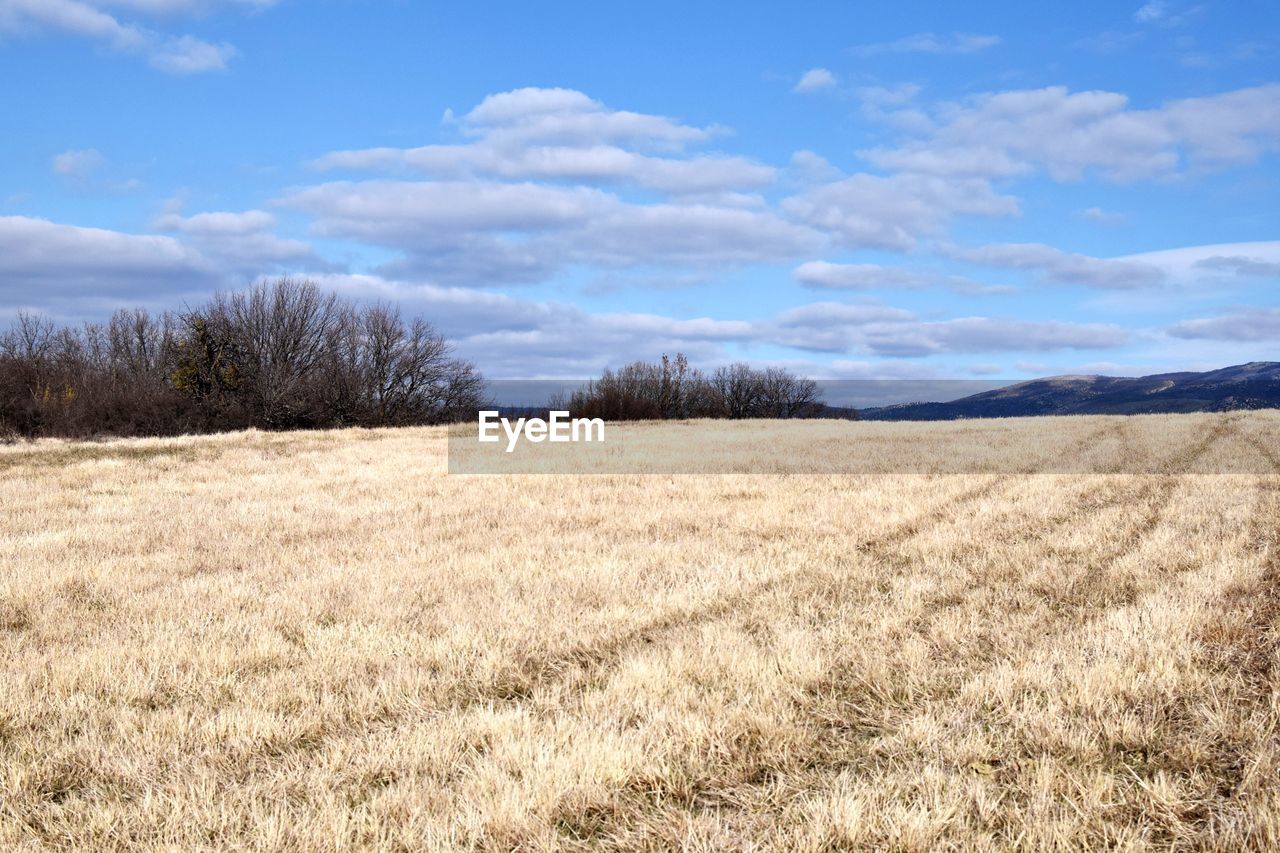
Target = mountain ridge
(1253,385)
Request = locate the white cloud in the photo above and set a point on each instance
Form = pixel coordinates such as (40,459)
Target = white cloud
(569,117)
(815,80)
(68,16)
(693,237)
(188,55)
(894,212)
(884,331)
(1069,135)
(888,96)
(503,194)
(690,234)
(65,261)
(184,54)
(513,337)
(1110,41)
(881,369)
(894,106)
(1219,260)
(244,242)
(1256,324)
(1242,265)
(820,315)
(955,43)
(217,223)
(1161,13)
(184,7)
(490,233)
(561,134)
(1102,217)
(807,167)
(1066,267)
(408,213)
(822,275)
(522,197)
(78,163)
(985,334)
(1152,11)
(519,105)
(599,163)
(460,312)
(477,260)
(566,337)
(537,183)
(1227,129)
(979,161)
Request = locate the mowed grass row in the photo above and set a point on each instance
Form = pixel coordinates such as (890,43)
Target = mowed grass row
(320,641)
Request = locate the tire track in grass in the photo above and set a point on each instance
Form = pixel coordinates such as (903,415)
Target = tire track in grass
(728,790)
(1237,647)
(1260,598)
(594,821)
(591,661)
(575,666)
(1267,453)
(664,627)
(514,685)
(591,658)
(587,661)
(1082,610)
(1156,493)
(1156,497)
(883,547)
(582,664)
(1239,638)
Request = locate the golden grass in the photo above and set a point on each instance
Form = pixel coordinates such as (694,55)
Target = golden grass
(320,641)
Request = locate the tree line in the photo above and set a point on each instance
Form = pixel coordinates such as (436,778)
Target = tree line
(671,389)
(281,355)
(288,355)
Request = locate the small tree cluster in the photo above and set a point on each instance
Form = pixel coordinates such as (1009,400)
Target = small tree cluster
(672,389)
(279,356)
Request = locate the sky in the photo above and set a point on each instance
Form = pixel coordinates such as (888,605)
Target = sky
(911,190)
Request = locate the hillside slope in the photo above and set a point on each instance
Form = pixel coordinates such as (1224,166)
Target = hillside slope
(1255,385)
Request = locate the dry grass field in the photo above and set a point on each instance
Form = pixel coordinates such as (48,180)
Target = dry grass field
(320,641)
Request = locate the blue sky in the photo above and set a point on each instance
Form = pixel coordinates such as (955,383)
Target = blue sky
(918,190)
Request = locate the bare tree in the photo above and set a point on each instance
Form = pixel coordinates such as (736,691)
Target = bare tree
(279,332)
(782,394)
(673,389)
(739,388)
(407,367)
(30,339)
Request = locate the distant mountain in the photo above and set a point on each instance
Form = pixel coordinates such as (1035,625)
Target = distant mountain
(1255,385)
